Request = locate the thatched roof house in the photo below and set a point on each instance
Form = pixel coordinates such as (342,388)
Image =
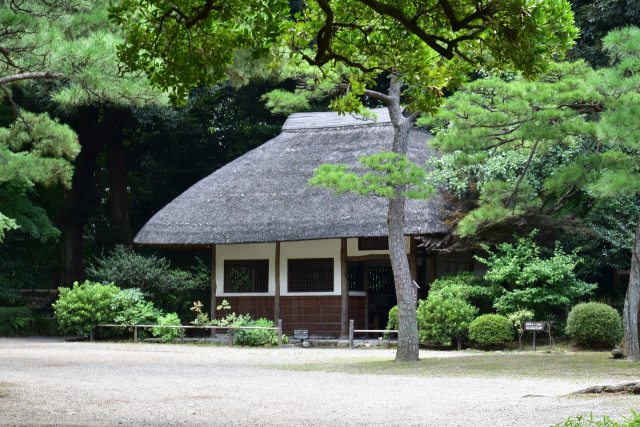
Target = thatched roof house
(284,249)
(263,196)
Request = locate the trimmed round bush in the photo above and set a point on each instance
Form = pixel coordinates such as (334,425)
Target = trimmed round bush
(594,325)
(491,330)
(444,320)
(81,308)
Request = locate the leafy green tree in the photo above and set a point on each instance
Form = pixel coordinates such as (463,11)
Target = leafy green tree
(596,18)
(529,281)
(423,47)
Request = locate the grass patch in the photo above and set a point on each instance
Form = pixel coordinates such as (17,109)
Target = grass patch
(510,364)
(4,390)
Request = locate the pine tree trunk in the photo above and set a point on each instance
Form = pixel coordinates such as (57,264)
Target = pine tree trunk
(408,349)
(632,304)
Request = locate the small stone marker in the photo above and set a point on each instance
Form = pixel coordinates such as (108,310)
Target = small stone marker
(535,327)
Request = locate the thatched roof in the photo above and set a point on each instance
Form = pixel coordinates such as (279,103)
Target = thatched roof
(263,196)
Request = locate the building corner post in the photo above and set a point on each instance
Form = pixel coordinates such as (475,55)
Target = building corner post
(344,291)
(276,294)
(212,309)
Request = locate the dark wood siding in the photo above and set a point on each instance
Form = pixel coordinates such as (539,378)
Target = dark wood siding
(255,306)
(357,308)
(319,314)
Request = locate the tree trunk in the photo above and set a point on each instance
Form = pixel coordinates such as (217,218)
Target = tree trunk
(408,349)
(94,127)
(73,215)
(632,303)
(118,189)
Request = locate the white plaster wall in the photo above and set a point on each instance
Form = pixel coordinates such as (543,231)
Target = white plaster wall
(329,248)
(245,251)
(352,248)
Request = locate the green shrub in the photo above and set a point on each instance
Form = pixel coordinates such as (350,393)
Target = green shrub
(10,297)
(254,337)
(392,324)
(168,334)
(80,308)
(594,325)
(15,320)
(130,308)
(517,319)
(467,286)
(442,320)
(169,288)
(491,330)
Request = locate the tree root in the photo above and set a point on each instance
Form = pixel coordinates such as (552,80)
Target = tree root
(626,388)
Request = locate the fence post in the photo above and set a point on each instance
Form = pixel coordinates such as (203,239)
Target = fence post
(91,335)
(279,332)
(135,333)
(351,327)
(230,333)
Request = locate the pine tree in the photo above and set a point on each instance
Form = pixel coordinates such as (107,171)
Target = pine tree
(574,132)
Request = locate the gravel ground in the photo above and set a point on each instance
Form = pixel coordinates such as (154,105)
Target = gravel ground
(47,381)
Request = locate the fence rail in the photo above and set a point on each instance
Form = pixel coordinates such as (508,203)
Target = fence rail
(228,329)
(353,331)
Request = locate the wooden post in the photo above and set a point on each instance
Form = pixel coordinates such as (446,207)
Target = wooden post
(276,295)
(431,268)
(344,290)
(279,332)
(365,278)
(351,328)
(135,333)
(212,310)
(91,335)
(413,258)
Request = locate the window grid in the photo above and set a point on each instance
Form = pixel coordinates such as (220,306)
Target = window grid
(246,276)
(310,275)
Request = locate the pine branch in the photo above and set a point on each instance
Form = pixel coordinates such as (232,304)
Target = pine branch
(34,75)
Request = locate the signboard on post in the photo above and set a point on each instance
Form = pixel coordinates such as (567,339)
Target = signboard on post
(534,326)
(301,334)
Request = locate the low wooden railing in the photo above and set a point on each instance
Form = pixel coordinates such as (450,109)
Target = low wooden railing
(353,331)
(228,329)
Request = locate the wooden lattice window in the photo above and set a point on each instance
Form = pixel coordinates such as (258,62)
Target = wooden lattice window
(246,276)
(373,243)
(458,266)
(355,276)
(310,275)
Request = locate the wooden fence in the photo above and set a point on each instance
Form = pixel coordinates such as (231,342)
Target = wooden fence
(353,331)
(228,329)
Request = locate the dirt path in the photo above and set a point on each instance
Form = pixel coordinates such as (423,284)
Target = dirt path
(52,382)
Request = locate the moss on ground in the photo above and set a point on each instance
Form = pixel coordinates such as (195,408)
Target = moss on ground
(490,364)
